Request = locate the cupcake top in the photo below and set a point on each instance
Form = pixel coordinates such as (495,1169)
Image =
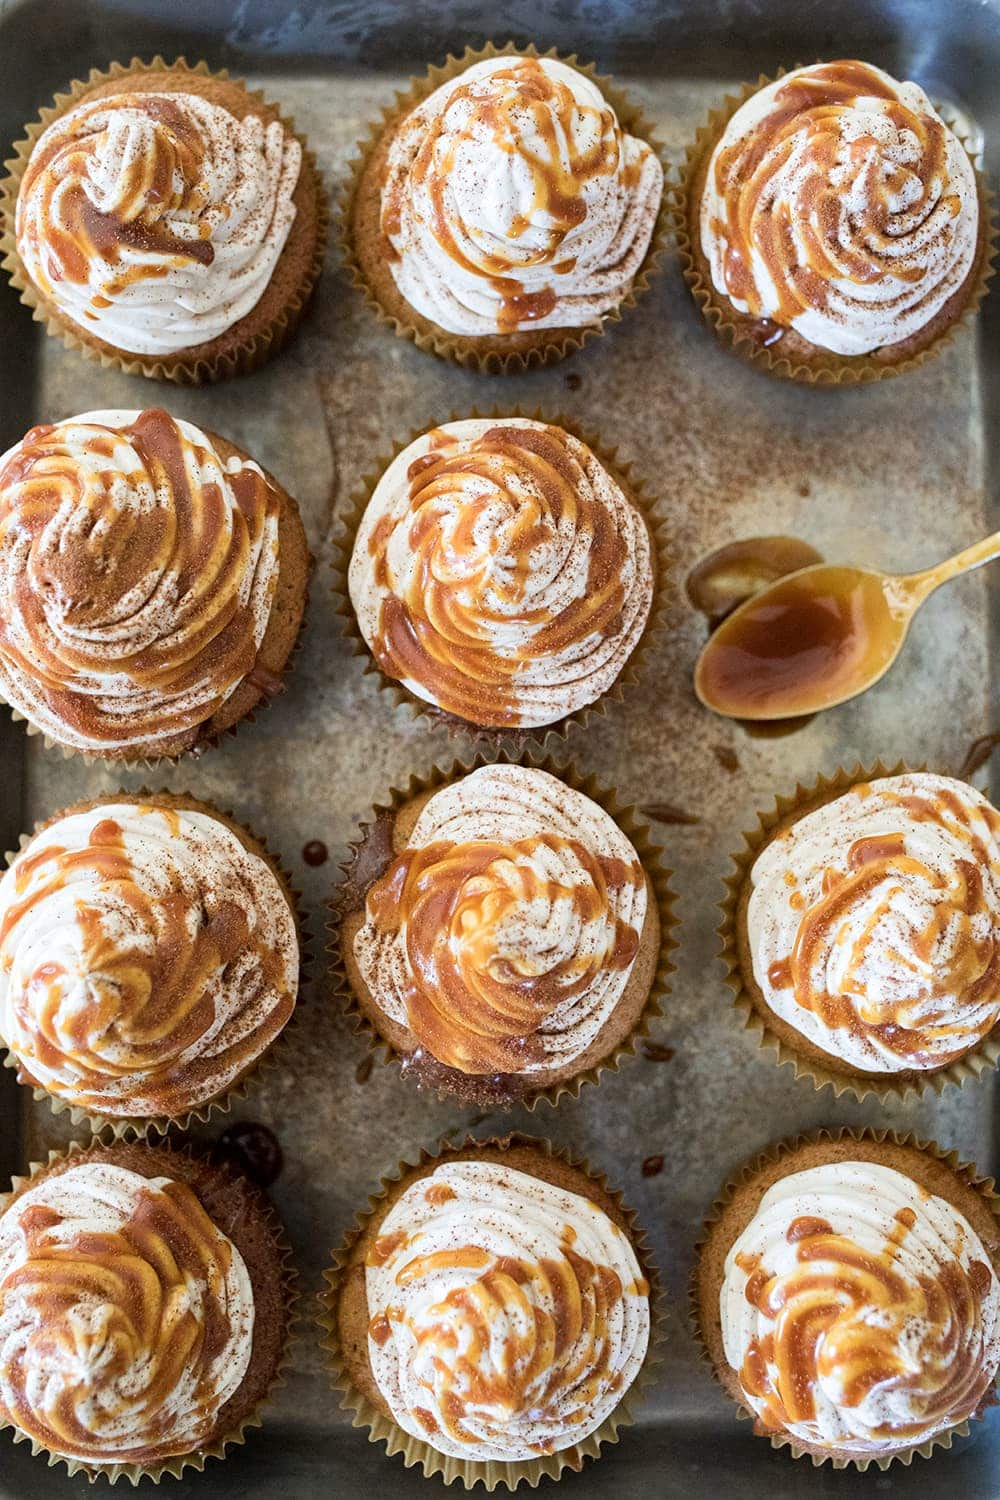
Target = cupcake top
(147,959)
(873,923)
(504,933)
(501,573)
(513,199)
(861,1312)
(137,573)
(838,203)
(154,221)
(508,1317)
(126,1316)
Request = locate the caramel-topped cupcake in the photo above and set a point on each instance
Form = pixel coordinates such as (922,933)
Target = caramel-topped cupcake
(505,937)
(152,583)
(149,957)
(170,220)
(849,1297)
(501,573)
(505,209)
(832,219)
(867,926)
(144,1305)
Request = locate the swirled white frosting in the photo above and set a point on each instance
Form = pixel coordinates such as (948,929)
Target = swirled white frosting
(502,956)
(862,1312)
(137,575)
(501,573)
(155,221)
(126,1316)
(513,199)
(874,923)
(839,203)
(147,959)
(508,1317)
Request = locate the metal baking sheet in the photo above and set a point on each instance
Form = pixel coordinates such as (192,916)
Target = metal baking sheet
(897,475)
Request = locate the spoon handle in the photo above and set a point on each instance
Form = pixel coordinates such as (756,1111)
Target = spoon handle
(922,584)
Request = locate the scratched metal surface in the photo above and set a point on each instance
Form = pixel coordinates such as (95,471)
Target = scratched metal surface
(897,475)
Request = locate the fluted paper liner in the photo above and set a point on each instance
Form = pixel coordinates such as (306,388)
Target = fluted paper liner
(635,829)
(493,1474)
(126,762)
(843,1080)
(124,1128)
(865,1137)
(133,1473)
(735,330)
(632,486)
(495,353)
(197,369)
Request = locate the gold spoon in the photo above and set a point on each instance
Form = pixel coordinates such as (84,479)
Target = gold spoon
(818,636)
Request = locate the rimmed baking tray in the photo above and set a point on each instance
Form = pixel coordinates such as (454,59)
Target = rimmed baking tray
(898,475)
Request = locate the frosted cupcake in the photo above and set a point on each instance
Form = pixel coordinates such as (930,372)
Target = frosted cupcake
(167,220)
(149,958)
(503,209)
(832,224)
(152,583)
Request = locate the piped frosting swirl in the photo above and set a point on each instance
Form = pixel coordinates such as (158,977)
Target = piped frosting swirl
(874,923)
(501,573)
(147,959)
(861,1312)
(155,221)
(504,933)
(508,1317)
(126,1316)
(514,200)
(137,573)
(838,203)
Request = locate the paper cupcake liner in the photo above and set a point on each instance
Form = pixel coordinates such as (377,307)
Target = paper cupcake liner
(736,332)
(256,348)
(124,1128)
(132,1473)
(634,828)
(484,737)
(494,1474)
(148,763)
(964,1171)
(554,344)
(845,1080)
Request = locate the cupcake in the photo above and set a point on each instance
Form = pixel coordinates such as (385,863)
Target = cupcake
(832,225)
(504,208)
(149,959)
(848,1296)
(861,931)
(145,1298)
(500,934)
(502,574)
(166,220)
(152,583)
(490,1313)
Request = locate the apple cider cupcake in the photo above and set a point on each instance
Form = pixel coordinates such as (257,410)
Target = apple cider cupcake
(847,1293)
(491,1313)
(153,580)
(145,1302)
(832,226)
(500,933)
(503,209)
(166,220)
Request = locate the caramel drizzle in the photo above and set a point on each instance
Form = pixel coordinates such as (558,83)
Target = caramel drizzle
(441,631)
(878,869)
(799,237)
(468,1006)
(141,1337)
(182,562)
(823,1333)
